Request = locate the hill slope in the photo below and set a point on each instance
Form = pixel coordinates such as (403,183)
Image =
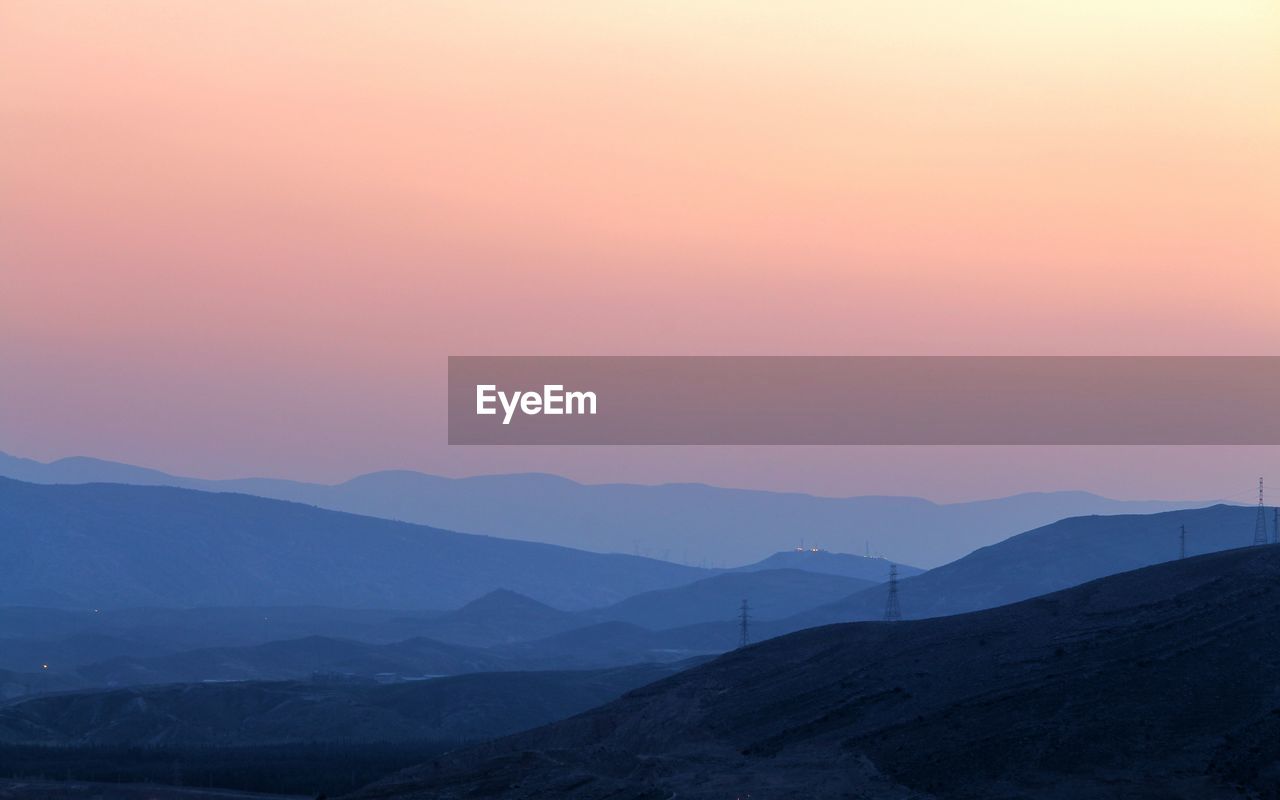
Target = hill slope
(465,707)
(224,626)
(771,594)
(291,659)
(1066,553)
(1154,683)
(686,522)
(500,617)
(111,545)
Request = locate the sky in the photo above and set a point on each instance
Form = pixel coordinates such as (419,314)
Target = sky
(242,237)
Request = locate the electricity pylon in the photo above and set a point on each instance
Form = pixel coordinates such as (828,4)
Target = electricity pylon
(892,613)
(1260,527)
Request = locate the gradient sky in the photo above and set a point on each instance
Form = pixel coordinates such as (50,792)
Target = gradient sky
(240,237)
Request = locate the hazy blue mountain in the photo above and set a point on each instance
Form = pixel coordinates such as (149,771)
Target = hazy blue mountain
(615,644)
(771,594)
(498,618)
(67,652)
(292,659)
(81,469)
(1066,553)
(593,646)
(22,683)
(112,546)
(30,637)
(690,523)
(866,568)
(188,628)
(1154,683)
(477,706)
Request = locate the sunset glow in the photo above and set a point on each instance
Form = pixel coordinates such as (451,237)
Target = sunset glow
(243,237)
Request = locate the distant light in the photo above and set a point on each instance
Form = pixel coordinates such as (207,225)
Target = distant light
(44,666)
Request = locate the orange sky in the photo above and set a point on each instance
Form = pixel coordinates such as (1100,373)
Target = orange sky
(241,237)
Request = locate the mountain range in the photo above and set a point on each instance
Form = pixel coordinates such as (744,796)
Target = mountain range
(685,523)
(112,546)
(1153,683)
(769,594)
(1065,553)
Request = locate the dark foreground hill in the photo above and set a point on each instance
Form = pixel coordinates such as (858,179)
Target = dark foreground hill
(109,545)
(1057,556)
(468,707)
(1156,683)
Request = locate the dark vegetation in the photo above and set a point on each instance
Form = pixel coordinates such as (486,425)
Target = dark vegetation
(479,706)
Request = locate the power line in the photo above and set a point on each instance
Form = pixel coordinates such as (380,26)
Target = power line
(892,613)
(1260,526)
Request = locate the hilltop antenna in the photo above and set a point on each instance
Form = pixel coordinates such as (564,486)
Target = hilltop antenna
(744,621)
(892,613)
(1182,543)
(1260,528)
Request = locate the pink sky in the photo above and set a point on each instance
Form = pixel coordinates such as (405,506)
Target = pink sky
(241,237)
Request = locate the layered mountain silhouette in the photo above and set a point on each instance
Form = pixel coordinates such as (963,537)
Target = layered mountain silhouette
(866,568)
(1158,682)
(112,546)
(770,594)
(221,626)
(292,659)
(691,523)
(500,617)
(1066,553)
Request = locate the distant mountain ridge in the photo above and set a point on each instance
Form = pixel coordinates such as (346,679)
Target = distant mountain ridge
(827,563)
(769,594)
(82,546)
(691,523)
(1066,553)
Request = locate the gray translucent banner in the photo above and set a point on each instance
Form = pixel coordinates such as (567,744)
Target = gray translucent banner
(807,400)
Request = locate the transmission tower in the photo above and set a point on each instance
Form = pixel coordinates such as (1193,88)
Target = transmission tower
(744,622)
(892,613)
(1182,543)
(1275,535)
(1260,528)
